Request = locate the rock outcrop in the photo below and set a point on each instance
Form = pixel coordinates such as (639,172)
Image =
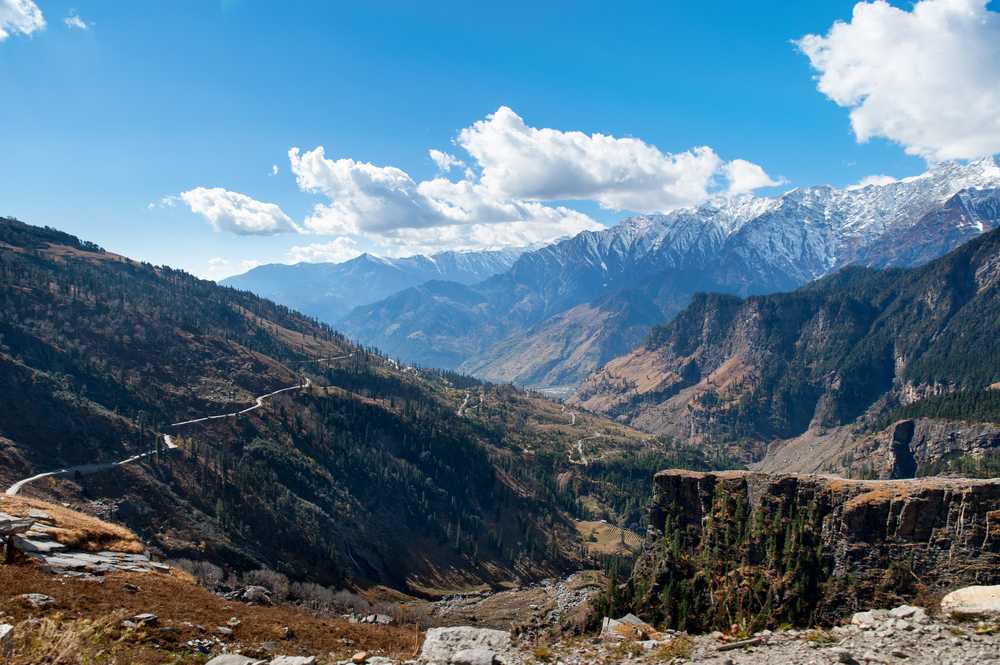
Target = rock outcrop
(761,550)
(904,449)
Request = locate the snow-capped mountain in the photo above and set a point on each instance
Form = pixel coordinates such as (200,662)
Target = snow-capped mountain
(598,290)
(328,291)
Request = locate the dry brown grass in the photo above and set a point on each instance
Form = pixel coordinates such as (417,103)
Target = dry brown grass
(79,642)
(75,529)
(86,617)
(607,538)
(680,647)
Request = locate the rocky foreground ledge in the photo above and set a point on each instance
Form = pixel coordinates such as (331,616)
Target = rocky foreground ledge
(764,550)
(967,632)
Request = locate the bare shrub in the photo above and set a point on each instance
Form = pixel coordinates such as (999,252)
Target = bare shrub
(271,580)
(206,573)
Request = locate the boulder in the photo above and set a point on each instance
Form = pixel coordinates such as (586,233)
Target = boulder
(293,660)
(256,595)
(146,619)
(441,645)
(36,600)
(234,659)
(973,602)
(6,640)
(628,627)
(909,612)
(477,656)
(870,618)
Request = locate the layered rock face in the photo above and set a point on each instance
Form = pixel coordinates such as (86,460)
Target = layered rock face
(762,550)
(907,448)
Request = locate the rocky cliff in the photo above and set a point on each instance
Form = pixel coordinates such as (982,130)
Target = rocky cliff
(904,449)
(763,550)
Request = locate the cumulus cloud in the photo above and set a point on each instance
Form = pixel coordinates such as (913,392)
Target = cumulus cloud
(19,17)
(386,201)
(406,242)
(744,176)
(877,180)
(521,161)
(928,78)
(73,20)
(274,169)
(336,251)
(445,162)
(505,195)
(237,213)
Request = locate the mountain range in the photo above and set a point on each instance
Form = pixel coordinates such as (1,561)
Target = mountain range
(819,369)
(335,464)
(562,311)
(328,291)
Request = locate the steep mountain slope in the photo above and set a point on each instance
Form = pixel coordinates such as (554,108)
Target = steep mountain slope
(847,349)
(328,291)
(369,471)
(743,245)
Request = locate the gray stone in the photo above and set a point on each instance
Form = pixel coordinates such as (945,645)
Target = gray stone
(869,619)
(6,640)
(234,659)
(256,595)
(441,644)
(973,602)
(37,600)
(293,660)
(36,545)
(146,618)
(477,656)
(904,611)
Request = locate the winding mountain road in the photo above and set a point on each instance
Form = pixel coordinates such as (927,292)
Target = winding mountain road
(579,447)
(461,409)
(87,469)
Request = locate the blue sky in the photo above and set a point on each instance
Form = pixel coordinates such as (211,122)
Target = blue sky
(153,99)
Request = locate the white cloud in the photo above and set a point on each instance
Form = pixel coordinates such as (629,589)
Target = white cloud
(744,176)
(385,201)
(363,197)
(501,199)
(618,173)
(168,201)
(877,180)
(336,251)
(73,20)
(274,169)
(928,79)
(445,162)
(19,17)
(238,213)
(406,242)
